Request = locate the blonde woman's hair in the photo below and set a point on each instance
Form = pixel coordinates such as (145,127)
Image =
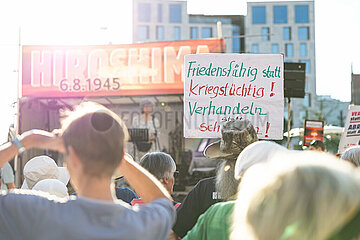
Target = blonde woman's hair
(304,195)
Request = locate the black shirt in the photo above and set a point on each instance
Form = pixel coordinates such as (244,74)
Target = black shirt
(198,200)
(125,194)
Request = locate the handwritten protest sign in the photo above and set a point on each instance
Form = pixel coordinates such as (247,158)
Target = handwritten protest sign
(221,87)
(351,134)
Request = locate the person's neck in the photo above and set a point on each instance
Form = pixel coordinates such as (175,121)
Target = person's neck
(96,188)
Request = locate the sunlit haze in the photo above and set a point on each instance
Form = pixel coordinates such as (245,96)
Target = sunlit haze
(110,21)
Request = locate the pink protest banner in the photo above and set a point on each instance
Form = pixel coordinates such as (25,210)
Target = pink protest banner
(221,87)
(109,70)
(351,134)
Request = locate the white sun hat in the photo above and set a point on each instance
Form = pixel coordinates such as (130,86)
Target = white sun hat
(257,152)
(43,167)
(53,187)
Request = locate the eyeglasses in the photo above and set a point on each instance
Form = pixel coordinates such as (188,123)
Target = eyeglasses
(176,173)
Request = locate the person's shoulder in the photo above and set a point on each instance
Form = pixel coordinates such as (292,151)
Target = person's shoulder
(125,194)
(28,201)
(125,190)
(222,208)
(206,185)
(160,201)
(229,205)
(32,195)
(207,181)
(158,206)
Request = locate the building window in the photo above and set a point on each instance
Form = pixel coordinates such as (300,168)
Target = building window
(144,12)
(175,13)
(303,50)
(307,65)
(206,32)
(301,13)
(289,50)
(274,48)
(287,33)
(236,40)
(255,48)
(160,33)
(143,32)
(280,14)
(265,34)
(194,33)
(177,33)
(258,15)
(160,12)
(303,33)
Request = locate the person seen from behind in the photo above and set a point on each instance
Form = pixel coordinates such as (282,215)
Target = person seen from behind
(92,140)
(352,155)
(235,136)
(298,195)
(163,167)
(216,222)
(317,145)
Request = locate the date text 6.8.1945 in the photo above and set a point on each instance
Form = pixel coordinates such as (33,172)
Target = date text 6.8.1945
(88,85)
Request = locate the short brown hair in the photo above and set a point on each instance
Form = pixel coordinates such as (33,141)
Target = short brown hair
(98,137)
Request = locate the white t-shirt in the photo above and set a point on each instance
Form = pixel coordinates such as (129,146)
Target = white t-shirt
(28,215)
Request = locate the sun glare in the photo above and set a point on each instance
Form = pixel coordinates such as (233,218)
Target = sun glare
(67,22)
(72,22)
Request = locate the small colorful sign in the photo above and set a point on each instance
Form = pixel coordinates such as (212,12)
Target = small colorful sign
(351,134)
(313,130)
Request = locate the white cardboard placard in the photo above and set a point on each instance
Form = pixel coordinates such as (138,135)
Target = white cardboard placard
(351,134)
(219,87)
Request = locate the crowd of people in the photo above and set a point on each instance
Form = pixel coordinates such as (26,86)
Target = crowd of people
(261,190)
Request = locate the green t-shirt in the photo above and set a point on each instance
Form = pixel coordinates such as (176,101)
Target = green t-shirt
(215,223)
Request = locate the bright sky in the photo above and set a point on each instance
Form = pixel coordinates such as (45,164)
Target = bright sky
(84,22)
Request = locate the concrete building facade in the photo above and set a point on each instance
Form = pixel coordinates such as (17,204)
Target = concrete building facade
(168,20)
(286,27)
(355,89)
(269,27)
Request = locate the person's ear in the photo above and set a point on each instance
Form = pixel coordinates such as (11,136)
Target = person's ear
(164,180)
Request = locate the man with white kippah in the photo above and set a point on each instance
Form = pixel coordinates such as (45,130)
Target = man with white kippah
(92,140)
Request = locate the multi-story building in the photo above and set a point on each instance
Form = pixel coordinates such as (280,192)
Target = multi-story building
(269,27)
(160,20)
(168,20)
(232,27)
(286,27)
(332,111)
(355,89)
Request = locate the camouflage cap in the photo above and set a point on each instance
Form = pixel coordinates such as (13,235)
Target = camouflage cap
(236,135)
